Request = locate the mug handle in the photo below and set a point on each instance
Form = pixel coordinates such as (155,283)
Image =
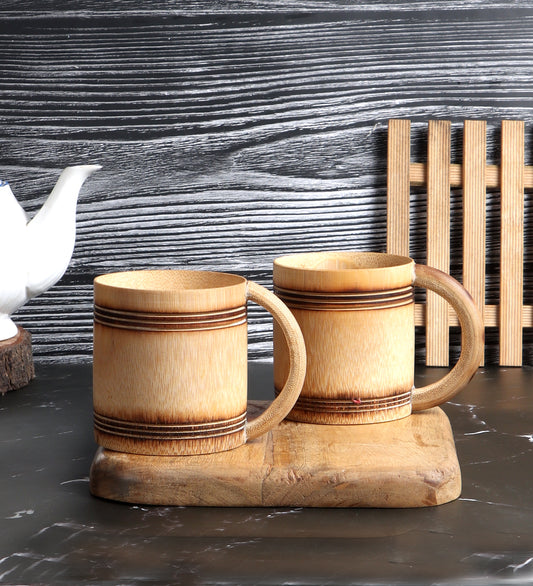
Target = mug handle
(472,338)
(284,402)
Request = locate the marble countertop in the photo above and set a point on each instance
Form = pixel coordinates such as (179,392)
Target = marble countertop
(54,531)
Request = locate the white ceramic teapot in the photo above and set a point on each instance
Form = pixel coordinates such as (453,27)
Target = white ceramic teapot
(35,254)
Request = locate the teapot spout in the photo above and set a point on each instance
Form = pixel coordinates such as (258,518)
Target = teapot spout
(50,235)
(66,191)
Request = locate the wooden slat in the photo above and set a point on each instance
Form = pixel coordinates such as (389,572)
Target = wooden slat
(418,175)
(512,242)
(474,204)
(398,188)
(491,316)
(438,238)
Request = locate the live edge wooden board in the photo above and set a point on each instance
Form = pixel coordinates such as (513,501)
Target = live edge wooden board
(410,462)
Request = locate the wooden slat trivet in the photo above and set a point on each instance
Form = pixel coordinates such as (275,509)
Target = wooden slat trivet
(474,175)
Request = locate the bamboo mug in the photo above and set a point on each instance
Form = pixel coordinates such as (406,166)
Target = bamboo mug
(170,362)
(356,313)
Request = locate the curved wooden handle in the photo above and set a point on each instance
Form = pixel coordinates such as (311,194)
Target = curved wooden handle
(286,399)
(472,338)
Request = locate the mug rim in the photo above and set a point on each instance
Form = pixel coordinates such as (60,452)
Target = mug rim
(207,291)
(346,271)
(106,279)
(289,261)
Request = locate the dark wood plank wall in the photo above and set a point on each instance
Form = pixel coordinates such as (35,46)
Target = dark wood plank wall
(234,132)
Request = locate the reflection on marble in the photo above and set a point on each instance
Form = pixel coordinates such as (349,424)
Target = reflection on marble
(55,532)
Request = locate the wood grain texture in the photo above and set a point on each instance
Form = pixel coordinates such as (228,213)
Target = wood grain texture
(472,338)
(358,325)
(177,392)
(491,316)
(16,362)
(418,173)
(407,463)
(170,362)
(232,133)
(474,208)
(512,243)
(438,238)
(474,176)
(398,186)
(284,402)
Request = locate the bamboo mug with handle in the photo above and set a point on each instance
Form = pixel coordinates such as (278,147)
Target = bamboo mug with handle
(170,362)
(356,313)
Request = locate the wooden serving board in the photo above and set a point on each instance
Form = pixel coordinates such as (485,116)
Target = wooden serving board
(411,462)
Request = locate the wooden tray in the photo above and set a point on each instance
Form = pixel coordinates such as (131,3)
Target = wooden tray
(411,462)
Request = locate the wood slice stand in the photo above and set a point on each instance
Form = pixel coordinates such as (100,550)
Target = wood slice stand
(16,362)
(411,462)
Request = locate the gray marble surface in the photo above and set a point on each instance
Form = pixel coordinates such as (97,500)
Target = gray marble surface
(54,532)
